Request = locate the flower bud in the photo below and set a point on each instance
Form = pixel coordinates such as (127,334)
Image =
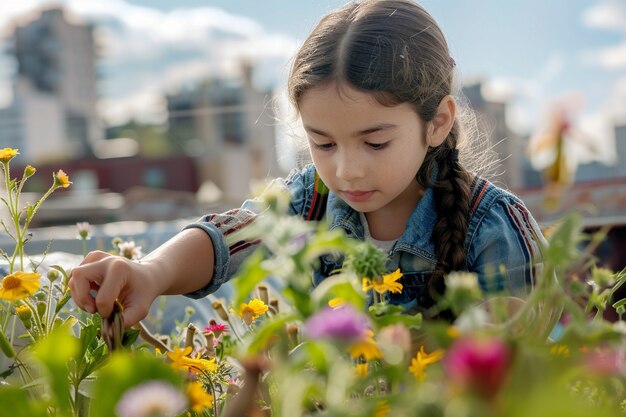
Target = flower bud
(23,312)
(53,275)
(220,310)
(263,293)
(29,171)
(41,308)
(274,305)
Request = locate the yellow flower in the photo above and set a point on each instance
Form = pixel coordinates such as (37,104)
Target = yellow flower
(19,285)
(61,179)
(453,332)
(23,312)
(251,311)
(198,365)
(422,360)
(198,398)
(361,369)
(366,348)
(559,349)
(7,154)
(336,302)
(382,409)
(388,283)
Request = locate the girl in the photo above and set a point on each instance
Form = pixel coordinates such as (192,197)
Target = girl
(373,85)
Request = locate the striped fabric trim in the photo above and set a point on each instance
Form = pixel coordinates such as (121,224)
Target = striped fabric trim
(319,199)
(241,245)
(526,237)
(478,188)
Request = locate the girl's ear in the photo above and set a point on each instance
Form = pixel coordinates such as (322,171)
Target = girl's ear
(439,127)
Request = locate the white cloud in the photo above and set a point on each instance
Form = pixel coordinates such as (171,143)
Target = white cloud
(611,58)
(147,53)
(607,14)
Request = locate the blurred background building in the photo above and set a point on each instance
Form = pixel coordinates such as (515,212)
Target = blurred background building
(54,110)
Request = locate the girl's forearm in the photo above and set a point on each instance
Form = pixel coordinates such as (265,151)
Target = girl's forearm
(185,262)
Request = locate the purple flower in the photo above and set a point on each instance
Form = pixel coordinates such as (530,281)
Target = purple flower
(343,323)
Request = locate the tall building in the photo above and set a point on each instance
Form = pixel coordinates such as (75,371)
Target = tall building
(502,140)
(53,113)
(601,171)
(229,126)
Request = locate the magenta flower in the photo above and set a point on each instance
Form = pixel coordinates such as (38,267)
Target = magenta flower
(478,365)
(216,328)
(342,323)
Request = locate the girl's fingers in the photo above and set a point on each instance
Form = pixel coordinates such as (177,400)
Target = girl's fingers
(95,256)
(81,288)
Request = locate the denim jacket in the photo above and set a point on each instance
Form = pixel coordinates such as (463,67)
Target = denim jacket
(502,244)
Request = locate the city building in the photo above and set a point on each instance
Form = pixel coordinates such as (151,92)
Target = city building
(600,170)
(53,113)
(229,127)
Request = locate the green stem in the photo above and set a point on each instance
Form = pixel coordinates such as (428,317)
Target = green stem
(6,347)
(38,321)
(12,206)
(49,318)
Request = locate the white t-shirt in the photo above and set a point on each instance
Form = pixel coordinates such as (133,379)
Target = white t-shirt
(385,245)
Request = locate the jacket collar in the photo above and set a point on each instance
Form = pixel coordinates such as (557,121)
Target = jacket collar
(416,238)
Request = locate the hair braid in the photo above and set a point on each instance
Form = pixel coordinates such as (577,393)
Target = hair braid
(452,199)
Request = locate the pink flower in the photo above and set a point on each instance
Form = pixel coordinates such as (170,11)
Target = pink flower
(216,328)
(478,365)
(604,362)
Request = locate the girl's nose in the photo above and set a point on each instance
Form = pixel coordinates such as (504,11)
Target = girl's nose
(349,167)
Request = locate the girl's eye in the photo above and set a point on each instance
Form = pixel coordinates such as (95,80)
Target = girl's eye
(323,146)
(377,146)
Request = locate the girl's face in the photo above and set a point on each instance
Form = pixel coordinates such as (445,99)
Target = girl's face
(366,153)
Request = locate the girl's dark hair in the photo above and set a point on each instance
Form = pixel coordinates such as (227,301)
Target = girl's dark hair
(395,50)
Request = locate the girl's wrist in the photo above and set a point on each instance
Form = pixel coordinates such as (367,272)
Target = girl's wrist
(154,276)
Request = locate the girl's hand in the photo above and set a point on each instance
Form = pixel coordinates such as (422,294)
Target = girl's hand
(103,278)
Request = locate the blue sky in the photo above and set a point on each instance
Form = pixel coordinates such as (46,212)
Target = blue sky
(531,53)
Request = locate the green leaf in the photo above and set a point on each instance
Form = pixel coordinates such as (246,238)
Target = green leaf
(338,286)
(620,303)
(327,242)
(55,352)
(61,303)
(410,321)
(268,331)
(251,274)
(17,403)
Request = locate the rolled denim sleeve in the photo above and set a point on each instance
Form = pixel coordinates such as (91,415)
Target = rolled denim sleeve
(505,246)
(227,230)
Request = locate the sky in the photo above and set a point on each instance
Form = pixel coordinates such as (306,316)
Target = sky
(533,54)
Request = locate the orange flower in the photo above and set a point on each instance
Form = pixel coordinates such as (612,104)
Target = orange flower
(19,285)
